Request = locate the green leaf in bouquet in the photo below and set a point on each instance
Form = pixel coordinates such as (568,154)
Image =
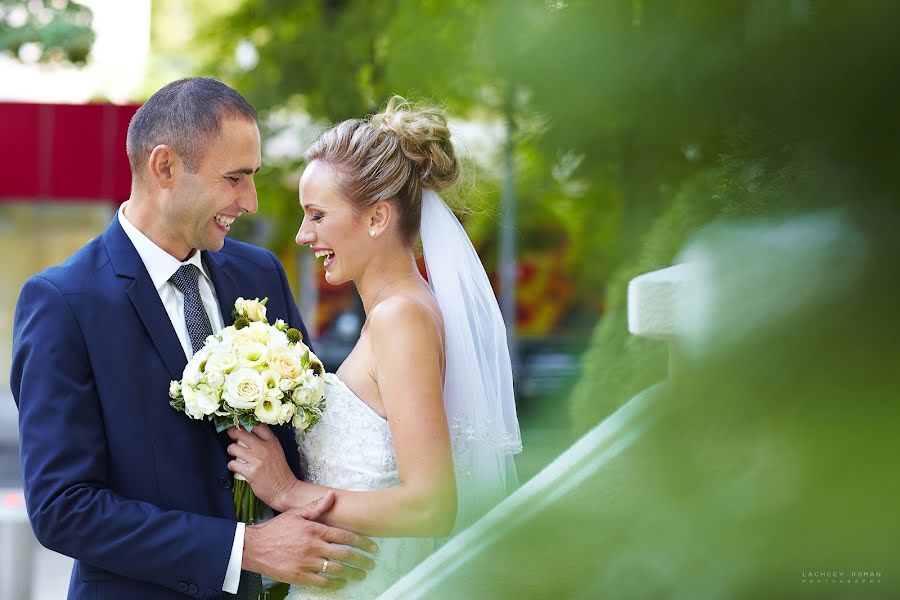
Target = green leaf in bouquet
(222,423)
(248,421)
(241,322)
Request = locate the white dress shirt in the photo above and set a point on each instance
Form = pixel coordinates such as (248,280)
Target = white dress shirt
(161,266)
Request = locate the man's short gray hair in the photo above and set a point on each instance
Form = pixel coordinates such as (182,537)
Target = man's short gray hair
(185,115)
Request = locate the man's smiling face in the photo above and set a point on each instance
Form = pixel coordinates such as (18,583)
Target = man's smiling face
(206,203)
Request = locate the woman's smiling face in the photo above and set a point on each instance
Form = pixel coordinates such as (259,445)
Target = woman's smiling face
(331,227)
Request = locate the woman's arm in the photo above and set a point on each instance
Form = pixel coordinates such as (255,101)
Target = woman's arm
(409,376)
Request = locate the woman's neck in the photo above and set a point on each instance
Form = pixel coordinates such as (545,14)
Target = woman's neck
(382,277)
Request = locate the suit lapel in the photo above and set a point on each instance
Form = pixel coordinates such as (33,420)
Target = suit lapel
(126,262)
(144,297)
(223,283)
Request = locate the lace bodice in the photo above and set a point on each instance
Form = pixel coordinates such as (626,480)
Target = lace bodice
(351,449)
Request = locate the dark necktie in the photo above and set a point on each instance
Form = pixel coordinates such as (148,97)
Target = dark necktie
(195,317)
(197,320)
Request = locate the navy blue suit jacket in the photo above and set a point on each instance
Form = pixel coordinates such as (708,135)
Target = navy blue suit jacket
(137,493)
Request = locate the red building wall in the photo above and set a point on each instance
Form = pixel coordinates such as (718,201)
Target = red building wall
(64,152)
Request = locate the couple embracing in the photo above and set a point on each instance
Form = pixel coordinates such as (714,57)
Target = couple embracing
(419,425)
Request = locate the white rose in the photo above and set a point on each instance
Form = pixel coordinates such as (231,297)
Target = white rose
(200,357)
(174,388)
(278,340)
(259,331)
(215,378)
(268,411)
(224,361)
(286,385)
(307,378)
(190,375)
(300,421)
(280,325)
(321,386)
(214,345)
(243,389)
(191,402)
(252,354)
(286,362)
(252,309)
(207,400)
(242,337)
(225,334)
(303,396)
(287,412)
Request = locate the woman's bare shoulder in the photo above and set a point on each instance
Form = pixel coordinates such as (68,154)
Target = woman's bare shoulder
(406,310)
(409,321)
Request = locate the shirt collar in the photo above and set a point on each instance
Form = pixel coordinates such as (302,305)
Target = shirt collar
(160,264)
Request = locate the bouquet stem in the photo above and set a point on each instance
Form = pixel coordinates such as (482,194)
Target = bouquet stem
(246,505)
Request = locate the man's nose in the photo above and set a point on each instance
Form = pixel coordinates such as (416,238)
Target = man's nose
(249,201)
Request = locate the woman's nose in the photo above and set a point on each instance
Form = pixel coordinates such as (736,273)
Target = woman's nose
(304,237)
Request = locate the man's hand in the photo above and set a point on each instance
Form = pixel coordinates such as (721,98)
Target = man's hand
(293,548)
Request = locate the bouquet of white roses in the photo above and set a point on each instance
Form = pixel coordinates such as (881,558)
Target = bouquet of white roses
(251,373)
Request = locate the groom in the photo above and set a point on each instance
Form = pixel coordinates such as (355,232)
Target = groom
(136,492)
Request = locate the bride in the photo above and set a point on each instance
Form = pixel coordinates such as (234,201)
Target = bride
(419,427)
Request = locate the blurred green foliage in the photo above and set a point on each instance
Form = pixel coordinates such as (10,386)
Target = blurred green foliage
(762,469)
(55,30)
(341,59)
(635,121)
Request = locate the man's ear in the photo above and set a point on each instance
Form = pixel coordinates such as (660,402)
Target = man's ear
(380,217)
(163,164)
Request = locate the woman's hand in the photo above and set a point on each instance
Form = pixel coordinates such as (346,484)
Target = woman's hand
(260,459)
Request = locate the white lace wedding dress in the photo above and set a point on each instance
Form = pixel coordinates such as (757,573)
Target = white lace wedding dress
(351,449)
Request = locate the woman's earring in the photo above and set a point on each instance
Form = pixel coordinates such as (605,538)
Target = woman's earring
(371,233)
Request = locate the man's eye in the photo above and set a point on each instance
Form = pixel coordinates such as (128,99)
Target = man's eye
(233,180)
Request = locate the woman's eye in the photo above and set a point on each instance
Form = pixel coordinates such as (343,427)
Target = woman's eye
(316,218)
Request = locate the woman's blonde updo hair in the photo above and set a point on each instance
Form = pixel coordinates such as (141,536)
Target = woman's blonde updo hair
(391,156)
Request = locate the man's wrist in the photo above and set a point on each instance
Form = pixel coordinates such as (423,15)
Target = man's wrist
(251,543)
(254,540)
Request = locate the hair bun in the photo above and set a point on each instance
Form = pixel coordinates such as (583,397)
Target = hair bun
(424,139)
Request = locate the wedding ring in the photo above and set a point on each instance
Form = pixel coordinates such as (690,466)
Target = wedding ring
(325,566)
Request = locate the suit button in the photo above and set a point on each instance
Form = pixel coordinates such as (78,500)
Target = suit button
(225,482)
(193,589)
(182,586)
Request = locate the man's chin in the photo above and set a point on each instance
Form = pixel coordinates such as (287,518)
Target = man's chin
(213,245)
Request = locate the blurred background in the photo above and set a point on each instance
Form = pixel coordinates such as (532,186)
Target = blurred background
(599,138)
